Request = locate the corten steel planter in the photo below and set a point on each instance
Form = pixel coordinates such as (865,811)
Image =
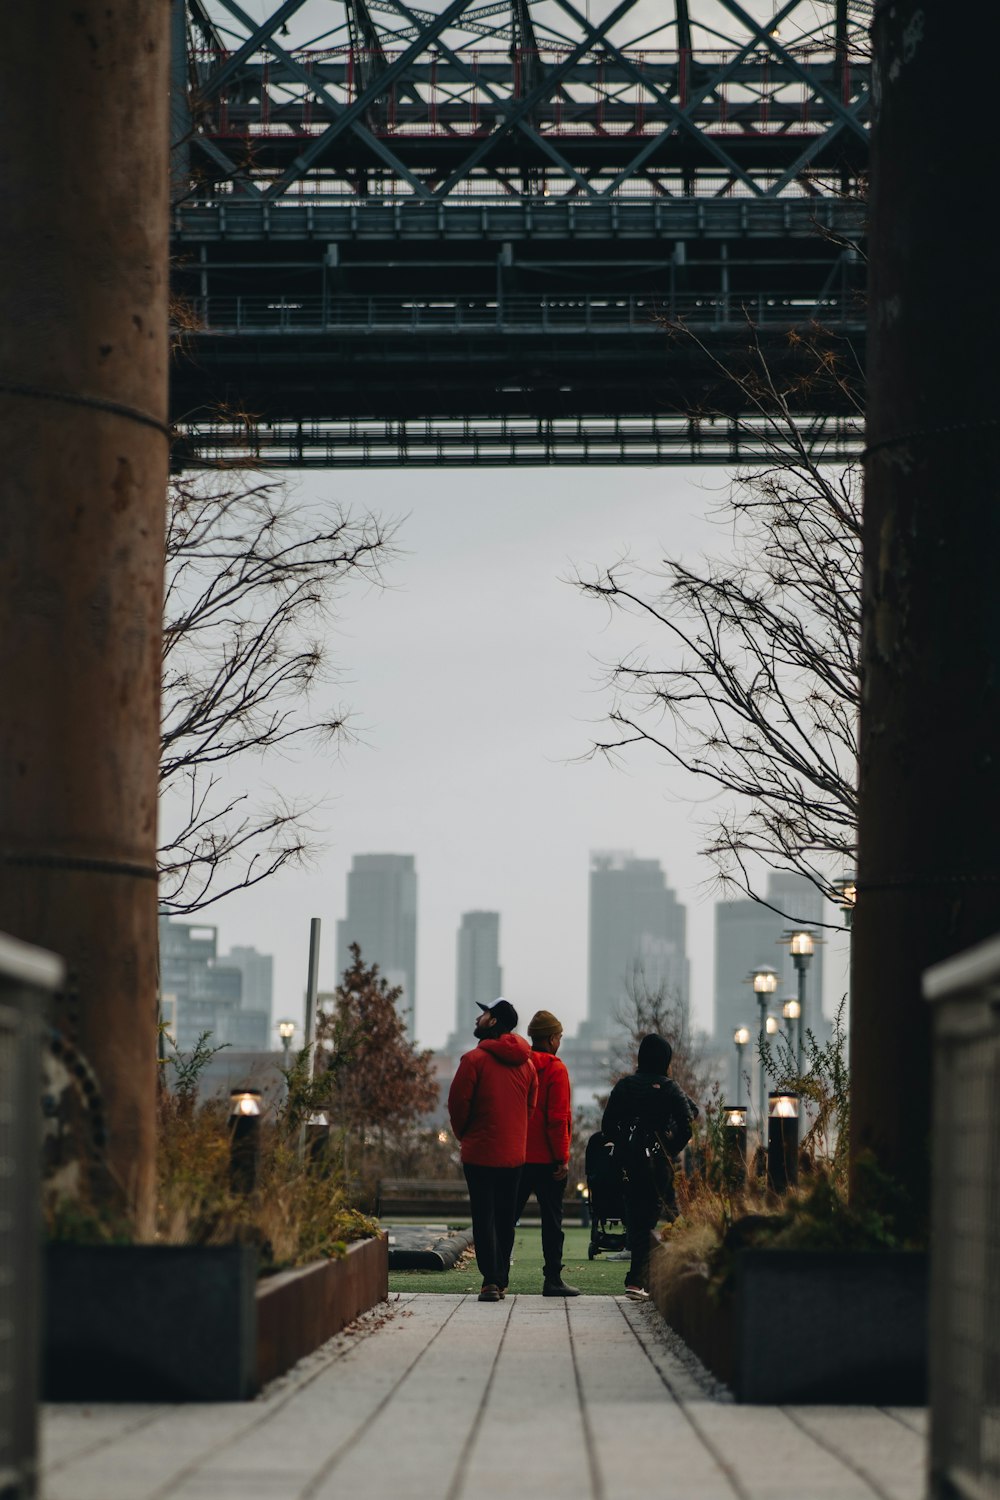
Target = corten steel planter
(811,1327)
(192,1323)
(299,1310)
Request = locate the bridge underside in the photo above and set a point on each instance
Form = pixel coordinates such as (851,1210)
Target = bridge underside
(619,334)
(561,241)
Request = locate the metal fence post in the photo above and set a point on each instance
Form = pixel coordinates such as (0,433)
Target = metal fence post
(27,977)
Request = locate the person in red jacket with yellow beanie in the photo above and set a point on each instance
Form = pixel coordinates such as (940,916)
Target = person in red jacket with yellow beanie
(490,1099)
(546,1163)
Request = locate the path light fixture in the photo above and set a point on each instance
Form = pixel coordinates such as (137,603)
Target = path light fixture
(847,896)
(782,1140)
(244,1139)
(741,1037)
(734,1138)
(765,982)
(317,1135)
(772,1025)
(286,1030)
(802,946)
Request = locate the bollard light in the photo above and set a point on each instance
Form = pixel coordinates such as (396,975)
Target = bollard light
(317,1130)
(734,1138)
(791,1010)
(765,982)
(847,897)
(782,1140)
(802,946)
(772,1026)
(244,1139)
(286,1030)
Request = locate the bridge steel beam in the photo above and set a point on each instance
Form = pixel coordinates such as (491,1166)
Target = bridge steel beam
(83,454)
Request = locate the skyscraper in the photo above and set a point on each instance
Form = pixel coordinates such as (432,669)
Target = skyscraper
(748,936)
(200,993)
(636,924)
(258,979)
(382,919)
(478,976)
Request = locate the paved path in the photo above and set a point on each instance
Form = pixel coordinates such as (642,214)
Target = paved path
(444,1398)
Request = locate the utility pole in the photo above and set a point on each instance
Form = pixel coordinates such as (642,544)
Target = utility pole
(84,97)
(929,792)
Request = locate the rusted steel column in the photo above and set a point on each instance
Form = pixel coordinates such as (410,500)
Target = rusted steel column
(84,93)
(929,821)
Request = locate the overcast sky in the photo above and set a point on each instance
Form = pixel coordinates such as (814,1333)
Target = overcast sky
(476,682)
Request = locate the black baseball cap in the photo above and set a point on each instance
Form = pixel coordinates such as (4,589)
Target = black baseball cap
(504,1013)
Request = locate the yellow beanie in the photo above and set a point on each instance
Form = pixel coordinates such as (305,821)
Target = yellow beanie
(543,1023)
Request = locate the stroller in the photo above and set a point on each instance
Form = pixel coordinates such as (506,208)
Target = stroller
(607,1202)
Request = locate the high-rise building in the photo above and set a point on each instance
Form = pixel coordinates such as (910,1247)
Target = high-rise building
(382,919)
(258,979)
(200,994)
(637,927)
(750,935)
(478,977)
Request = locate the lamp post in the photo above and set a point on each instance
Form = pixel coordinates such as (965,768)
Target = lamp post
(782,1140)
(801,945)
(286,1030)
(792,1012)
(765,982)
(741,1037)
(847,888)
(244,1139)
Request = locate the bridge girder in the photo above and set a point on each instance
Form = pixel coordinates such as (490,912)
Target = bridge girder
(398,221)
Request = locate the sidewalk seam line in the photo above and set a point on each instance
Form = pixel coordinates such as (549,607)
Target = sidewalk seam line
(852,1467)
(596,1474)
(99,1443)
(454,1490)
(725,1468)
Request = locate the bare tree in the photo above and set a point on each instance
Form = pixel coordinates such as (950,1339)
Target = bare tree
(251,586)
(756,690)
(657,1009)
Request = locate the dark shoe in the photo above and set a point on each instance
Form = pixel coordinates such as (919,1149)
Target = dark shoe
(503,1292)
(489,1293)
(559,1289)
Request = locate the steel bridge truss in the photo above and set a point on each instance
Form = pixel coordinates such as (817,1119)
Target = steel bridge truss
(462,237)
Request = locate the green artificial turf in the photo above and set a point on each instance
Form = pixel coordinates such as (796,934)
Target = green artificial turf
(599,1276)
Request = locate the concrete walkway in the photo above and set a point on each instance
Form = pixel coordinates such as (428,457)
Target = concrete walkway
(443,1398)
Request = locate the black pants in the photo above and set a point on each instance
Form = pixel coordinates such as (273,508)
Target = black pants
(493,1196)
(537,1178)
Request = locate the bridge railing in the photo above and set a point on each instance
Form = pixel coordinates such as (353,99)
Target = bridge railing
(516,314)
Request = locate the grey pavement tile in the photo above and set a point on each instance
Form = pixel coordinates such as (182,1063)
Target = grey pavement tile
(915,1417)
(414,1444)
(889,1454)
(770,1457)
(68,1431)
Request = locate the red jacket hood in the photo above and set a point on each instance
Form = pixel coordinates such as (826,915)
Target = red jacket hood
(510,1049)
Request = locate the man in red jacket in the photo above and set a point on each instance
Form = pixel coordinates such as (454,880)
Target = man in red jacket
(546,1164)
(489,1102)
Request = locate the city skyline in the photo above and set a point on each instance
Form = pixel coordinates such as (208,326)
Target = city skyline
(476,685)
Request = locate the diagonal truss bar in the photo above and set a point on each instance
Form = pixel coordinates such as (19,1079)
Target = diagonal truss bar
(231,169)
(764,36)
(259,35)
(540,141)
(515,112)
(335,107)
(815,145)
(681,119)
(348,116)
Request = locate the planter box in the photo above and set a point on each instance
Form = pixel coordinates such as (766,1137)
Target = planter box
(150,1323)
(808,1327)
(299,1310)
(191,1323)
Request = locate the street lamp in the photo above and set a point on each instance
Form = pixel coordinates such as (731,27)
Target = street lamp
(765,982)
(847,888)
(782,1140)
(801,945)
(286,1030)
(792,1012)
(740,1036)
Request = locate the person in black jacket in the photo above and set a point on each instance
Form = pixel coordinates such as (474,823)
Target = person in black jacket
(649,1120)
